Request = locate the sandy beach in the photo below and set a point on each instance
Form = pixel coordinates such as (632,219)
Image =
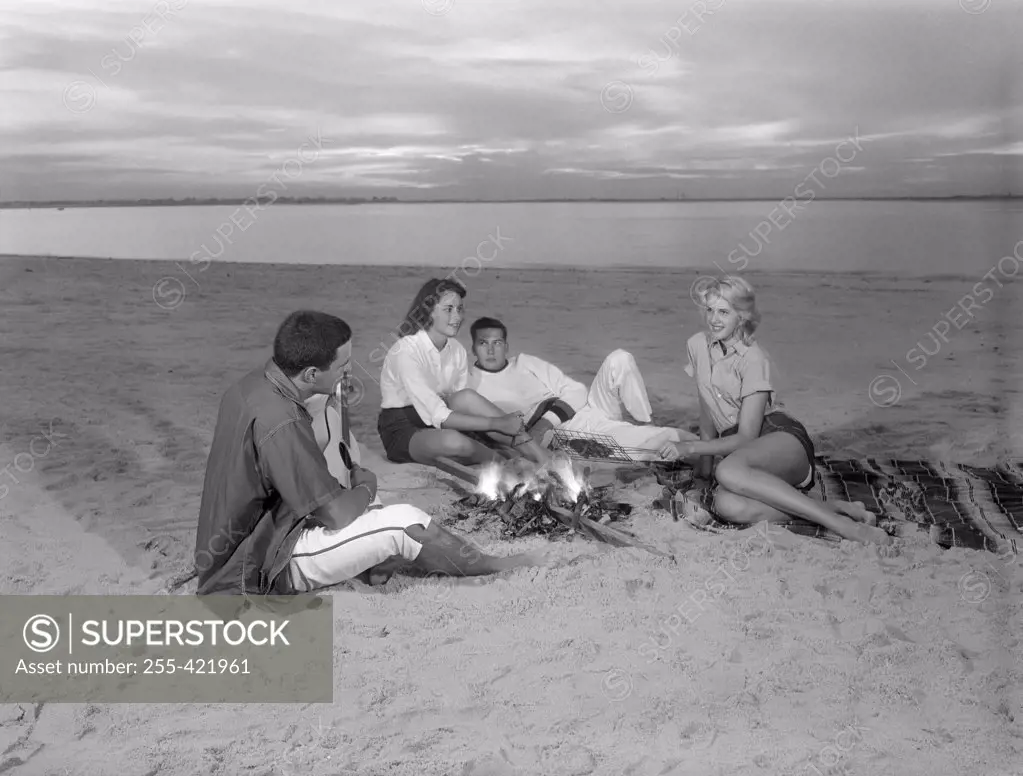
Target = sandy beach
(813,658)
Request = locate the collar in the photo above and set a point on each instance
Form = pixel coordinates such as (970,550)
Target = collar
(477,365)
(426,342)
(737,347)
(282,383)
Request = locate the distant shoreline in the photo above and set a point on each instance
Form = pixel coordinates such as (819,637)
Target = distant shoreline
(60,204)
(429,268)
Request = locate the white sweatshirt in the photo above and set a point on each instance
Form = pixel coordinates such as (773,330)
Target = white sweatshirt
(524,383)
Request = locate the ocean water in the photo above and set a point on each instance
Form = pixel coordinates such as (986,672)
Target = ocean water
(906,238)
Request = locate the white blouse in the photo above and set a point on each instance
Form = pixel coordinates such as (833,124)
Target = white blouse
(415,373)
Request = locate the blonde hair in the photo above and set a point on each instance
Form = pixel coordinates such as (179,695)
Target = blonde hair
(743,299)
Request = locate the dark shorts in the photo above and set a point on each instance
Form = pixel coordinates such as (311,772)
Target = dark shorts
(396,427)
(779,421)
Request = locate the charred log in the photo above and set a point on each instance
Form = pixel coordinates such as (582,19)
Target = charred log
(549,510)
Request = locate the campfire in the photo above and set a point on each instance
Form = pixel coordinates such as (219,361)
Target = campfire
(555,501)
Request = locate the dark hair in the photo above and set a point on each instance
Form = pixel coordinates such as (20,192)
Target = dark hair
(309,338)
(420,313)
(487,323)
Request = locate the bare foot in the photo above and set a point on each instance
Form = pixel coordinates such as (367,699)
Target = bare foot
(528,447)
(856,511)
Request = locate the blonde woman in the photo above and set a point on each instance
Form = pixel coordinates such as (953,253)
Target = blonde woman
(768,456)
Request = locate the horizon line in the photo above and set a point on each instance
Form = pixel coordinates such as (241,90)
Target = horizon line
(526,267)
(391,200)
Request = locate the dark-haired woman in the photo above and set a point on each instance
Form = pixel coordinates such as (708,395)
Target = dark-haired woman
(425,405)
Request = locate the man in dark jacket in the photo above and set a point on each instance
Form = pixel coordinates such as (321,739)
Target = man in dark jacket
(273,520)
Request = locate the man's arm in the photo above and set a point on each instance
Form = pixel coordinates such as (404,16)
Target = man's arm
(344,510)
(292,462)
(570,391)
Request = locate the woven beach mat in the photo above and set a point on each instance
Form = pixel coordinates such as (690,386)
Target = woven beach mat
(956,505)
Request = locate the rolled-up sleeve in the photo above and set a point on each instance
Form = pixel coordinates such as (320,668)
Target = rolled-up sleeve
(292,462)
(690,368)
(415,380)
(755,374)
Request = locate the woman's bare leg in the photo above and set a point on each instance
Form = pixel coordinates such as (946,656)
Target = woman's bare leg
(471,403)
(429,444)
(745,511)
(766,470)
(739,509)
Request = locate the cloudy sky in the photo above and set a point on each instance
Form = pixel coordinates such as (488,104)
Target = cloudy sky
(427,99)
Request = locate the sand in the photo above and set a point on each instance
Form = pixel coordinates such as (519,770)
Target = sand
(805,655)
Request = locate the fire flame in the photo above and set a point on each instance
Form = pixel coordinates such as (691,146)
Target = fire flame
(495,482)
(490,480)
(573,484)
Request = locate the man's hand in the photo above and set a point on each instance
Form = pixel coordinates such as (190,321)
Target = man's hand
(334,399)
(511,424)
(365,477)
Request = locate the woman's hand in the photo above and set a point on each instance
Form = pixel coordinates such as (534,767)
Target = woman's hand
(669,452)
(511,424)
(675,450)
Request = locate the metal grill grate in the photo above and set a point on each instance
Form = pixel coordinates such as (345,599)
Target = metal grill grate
(596,447)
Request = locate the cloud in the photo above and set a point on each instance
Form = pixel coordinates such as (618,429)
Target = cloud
(489,100)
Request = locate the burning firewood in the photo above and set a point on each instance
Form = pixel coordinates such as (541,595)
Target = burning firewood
(523,513)
(555,503)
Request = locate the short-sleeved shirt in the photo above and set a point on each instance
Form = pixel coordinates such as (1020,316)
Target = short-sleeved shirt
(264,476)
(726,376)
(417,374)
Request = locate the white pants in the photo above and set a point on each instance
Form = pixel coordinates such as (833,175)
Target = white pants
(323,557)
(617,386)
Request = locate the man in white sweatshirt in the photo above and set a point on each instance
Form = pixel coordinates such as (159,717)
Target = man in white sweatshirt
(547,398)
